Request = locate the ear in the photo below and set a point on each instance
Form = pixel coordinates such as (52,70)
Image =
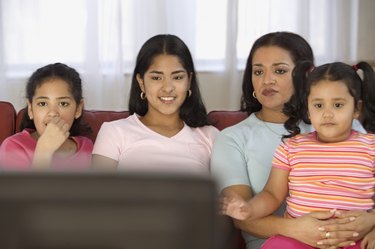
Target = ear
(30,110)
(79,109)
(140,82)
(358,110)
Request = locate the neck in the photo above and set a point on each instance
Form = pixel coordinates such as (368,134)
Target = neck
(271,116)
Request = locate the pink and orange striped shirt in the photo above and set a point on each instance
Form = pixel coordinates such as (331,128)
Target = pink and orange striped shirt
(325,176)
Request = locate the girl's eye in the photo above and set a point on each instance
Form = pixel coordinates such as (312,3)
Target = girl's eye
(155,77)
(318,106)
(179,77)
(41,104)
(338,105)
(64,104)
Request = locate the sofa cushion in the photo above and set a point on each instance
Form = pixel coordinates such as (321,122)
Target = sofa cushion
(8,120)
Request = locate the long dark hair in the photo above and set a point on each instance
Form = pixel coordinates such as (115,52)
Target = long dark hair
(298,48)
(192,112)
(68,75)
(305,76)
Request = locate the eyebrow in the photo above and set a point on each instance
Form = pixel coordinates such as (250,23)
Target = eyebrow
(174,72)
(63,97)
(274,64)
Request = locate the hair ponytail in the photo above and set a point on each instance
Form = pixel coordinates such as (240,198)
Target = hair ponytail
(367,117)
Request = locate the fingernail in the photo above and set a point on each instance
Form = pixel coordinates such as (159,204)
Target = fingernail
(321,229)
(332,210)
(355,234)
(352,244)
(352,218)
(319,243)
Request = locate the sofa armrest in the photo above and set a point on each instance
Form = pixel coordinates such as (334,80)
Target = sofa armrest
(8,120)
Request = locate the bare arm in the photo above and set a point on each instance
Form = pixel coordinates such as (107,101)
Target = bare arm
(53,137)
(304,229)
(263,204)
(103,163)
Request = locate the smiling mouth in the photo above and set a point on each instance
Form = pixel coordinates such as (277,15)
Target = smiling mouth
(167,98)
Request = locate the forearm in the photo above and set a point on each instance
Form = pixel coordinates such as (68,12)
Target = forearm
(265,227)
(263,204)
(42,159)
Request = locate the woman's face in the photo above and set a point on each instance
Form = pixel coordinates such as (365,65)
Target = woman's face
(165,83)
(272,77)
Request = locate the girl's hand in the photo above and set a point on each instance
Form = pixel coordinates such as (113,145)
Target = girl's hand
(55,134)
(234,206)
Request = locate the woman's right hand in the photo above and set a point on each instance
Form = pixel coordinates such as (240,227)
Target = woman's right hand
(308,229)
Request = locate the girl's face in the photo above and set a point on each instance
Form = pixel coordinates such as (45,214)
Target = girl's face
(272,77)
(53,98)
(332,110)
(165,84)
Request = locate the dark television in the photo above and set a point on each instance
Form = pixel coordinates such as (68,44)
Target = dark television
(106,211)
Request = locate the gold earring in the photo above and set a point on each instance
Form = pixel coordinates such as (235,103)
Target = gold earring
(254,95)
(143,95)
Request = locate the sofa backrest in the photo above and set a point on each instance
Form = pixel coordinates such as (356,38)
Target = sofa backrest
(7,120)
(224,119)
(94,118)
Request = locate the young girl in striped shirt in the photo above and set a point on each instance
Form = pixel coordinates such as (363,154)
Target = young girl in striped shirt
(331,168)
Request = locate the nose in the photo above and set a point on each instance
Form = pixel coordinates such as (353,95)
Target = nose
(327,113)
(269,78)
(53,111)
(168,85)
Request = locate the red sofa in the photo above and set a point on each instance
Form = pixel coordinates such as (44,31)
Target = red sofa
(10,120)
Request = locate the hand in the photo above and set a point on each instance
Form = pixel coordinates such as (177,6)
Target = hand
(234,206)
(55,134)
(348,227)
(368,242)
(306,229)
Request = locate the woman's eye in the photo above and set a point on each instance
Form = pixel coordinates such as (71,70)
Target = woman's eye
(257,72)
(281,71)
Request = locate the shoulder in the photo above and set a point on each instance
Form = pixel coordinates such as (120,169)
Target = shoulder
(241,129)
(83,142)
(208,130)
(19,139)
(120,125)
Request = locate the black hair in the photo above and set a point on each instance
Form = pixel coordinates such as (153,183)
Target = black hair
(192,112)
(296,45)
(361,90)
(68,75)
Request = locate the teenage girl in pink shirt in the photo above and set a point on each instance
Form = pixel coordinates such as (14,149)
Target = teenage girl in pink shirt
(50,128)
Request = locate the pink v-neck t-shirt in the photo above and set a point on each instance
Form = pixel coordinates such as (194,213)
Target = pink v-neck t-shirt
(138,148)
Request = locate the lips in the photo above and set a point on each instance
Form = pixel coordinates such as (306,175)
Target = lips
(269,92)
